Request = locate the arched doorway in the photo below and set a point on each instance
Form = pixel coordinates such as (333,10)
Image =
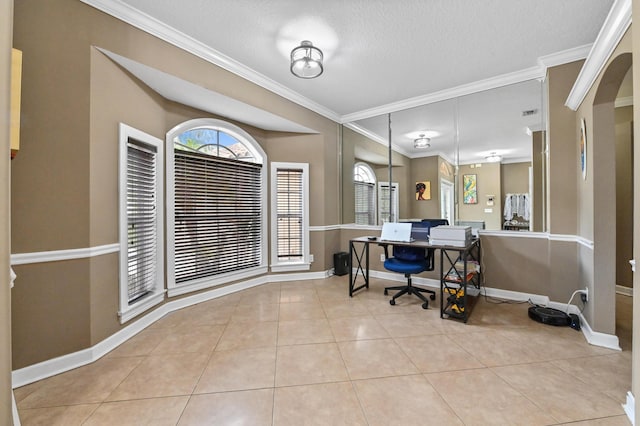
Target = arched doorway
(613,214)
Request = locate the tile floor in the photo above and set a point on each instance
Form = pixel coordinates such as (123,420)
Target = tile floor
(304,353)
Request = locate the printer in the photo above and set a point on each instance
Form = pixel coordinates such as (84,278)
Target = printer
(450,235)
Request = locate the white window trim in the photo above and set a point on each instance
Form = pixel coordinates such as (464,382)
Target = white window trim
(287,266)
(127,312)
(261,157)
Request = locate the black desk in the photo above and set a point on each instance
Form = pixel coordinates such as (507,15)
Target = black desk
(459,272)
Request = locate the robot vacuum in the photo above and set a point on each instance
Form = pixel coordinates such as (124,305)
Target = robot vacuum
(549,316)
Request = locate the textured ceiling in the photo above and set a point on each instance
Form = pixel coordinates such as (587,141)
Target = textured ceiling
(380,52)
(392,56)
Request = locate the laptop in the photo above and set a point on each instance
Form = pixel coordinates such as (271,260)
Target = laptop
(396,231)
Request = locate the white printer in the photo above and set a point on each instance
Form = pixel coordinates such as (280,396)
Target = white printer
(449,235)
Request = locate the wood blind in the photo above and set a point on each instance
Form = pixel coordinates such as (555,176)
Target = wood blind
(141,220)
(386,214)
(364,203)
(289,212)
(218,227)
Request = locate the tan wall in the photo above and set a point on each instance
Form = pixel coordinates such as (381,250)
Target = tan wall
(515,177)
(561,189)
(531,255)
(624,195)
(488,176)
(6,25)
(65,179)
(563,161)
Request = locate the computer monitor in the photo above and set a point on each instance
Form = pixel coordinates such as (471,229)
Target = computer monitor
(420,230)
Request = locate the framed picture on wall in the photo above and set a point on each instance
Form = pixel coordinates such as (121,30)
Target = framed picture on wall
(470,189)
(423,190)
(583,148)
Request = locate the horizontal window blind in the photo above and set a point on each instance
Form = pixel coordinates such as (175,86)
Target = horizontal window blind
(289,187)
(217,215)
(364,203)
(141,220)
(387,212)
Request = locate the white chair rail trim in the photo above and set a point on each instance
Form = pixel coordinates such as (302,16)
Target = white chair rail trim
(68,254)
(82,253)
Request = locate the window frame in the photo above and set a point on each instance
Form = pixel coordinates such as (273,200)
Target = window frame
(395,191)
(305,263)
(258,153)
(127,312)
(372,180)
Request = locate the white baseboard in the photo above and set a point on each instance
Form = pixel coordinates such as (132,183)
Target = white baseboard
(609,341)
(629,408)
(77,359)
(58,365)
(14,409)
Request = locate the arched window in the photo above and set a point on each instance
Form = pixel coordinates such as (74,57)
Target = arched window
(216,205)
(364,181)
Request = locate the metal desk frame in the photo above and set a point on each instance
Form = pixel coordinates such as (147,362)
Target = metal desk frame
(359,267)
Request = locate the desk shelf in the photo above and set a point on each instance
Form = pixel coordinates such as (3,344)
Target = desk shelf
(459,280)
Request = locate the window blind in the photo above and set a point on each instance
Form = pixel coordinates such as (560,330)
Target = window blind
(141,220)
(364,203)
(387,212)
(217,215)
(289,187)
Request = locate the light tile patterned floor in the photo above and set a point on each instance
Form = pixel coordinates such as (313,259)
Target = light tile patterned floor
(305,353)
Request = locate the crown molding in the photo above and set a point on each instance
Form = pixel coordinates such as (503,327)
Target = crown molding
(614,27)
(374,137)
(150,25)
(536,72)
(564,57)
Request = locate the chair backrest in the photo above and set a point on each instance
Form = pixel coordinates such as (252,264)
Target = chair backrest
(409,254)
(414,254)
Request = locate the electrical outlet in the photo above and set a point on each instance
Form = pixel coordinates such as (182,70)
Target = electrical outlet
(311,258)
(585,296)
(382,258)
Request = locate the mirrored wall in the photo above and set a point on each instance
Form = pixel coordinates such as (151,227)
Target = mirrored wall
(476,160)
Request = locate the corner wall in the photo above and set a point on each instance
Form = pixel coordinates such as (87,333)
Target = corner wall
(6,26)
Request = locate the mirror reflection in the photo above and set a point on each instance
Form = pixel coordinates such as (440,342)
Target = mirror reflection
(475,160)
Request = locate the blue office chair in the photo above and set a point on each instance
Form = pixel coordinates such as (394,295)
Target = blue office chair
(408,261)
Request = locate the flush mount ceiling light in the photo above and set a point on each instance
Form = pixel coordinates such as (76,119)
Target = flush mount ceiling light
(421,142)
(306,60)
(493,158)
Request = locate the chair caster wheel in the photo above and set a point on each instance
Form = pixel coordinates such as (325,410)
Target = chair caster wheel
(392,302)
(386,292)
(432,297)
(425,305)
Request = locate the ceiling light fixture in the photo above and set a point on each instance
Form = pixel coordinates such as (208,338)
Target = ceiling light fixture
(493,158)
(306,60)
(421,142)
